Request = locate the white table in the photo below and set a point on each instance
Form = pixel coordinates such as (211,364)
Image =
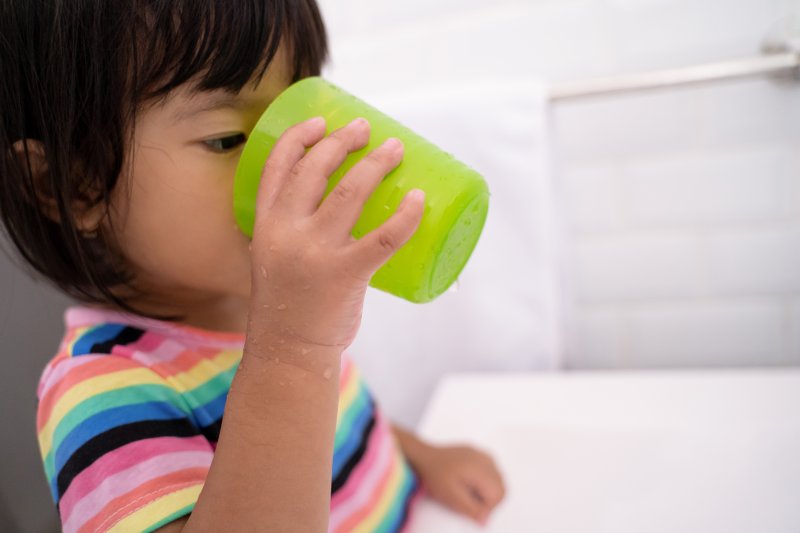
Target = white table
(628,452)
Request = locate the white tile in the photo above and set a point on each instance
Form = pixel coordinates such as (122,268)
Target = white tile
(629,125)
(638,267)
(709,30)
(594,339)
(749,111)
(592,197)
(757,184)
(542,40)
(726,333)
(755,261)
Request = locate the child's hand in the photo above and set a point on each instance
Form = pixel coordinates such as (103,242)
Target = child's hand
(309,274)
(462,478)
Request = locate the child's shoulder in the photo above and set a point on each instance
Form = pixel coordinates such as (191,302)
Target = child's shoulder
(100,342)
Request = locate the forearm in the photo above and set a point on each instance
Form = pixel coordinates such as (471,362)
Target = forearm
(413,448)
(272,465)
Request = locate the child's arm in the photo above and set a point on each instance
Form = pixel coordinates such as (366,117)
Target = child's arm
(272,466)
(462,478)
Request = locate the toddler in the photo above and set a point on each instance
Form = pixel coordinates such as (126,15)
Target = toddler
(202,384)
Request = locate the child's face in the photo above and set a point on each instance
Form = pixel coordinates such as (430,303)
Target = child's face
(173,211)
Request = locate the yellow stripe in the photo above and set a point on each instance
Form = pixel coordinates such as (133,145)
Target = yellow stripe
(374,519)
(88,388)
(190,379)
(349,393)
(204,370)
(158,509)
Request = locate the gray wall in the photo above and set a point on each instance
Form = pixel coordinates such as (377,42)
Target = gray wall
(31,326)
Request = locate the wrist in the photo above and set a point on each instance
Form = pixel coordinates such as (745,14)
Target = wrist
(266,344)
(415,449)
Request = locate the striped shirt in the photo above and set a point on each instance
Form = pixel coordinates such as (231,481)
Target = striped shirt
(129,415)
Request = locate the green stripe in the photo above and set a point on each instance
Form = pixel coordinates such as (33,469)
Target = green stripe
(98,403)
(343,425)
(205,392)
(398,502)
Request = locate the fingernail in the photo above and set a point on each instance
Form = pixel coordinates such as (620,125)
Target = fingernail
(316,121)
(416,194)
(360,122)
(391,144)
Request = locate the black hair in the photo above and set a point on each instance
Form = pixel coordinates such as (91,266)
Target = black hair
(73,74)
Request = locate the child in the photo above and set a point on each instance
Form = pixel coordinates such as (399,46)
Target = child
(203,386)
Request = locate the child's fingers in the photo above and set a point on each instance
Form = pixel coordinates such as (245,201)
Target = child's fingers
(488,487)
(341,209)
(377,246)
(288,150)
(463,501)
(308,178)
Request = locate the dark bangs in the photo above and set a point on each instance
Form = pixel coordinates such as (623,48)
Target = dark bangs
(73,74)
(223,43)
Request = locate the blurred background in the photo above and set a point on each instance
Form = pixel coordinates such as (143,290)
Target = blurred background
(648,229)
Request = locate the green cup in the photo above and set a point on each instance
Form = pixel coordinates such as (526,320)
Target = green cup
(456,197)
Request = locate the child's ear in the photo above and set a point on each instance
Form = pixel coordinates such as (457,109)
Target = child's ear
(31,152)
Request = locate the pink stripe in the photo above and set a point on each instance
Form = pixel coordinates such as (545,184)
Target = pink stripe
(53,374)
(147,343)
(81,316)
(412,506)
(124,458)
(127,480)
(377,441)
(346,368)
(140,350)
(365,485)
(168,350)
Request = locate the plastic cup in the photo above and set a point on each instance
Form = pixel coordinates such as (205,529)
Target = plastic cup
(456,196)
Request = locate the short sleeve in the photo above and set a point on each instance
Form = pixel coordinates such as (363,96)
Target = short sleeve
(120,447)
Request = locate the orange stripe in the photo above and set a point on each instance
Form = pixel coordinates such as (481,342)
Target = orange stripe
(77,375)
(151,490)
(376,495)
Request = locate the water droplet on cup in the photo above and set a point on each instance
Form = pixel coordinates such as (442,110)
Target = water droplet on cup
(327,373)
(281,307)
(264,272)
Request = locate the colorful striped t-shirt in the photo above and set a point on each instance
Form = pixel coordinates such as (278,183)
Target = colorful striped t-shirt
(130,411)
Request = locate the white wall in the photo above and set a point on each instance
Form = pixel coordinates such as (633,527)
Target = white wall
(682,206)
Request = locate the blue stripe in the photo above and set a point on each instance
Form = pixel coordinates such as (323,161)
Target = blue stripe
(207,414)
(100,334)
(343,453)
(111,418)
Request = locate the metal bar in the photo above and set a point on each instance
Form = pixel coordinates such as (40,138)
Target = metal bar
(785,63)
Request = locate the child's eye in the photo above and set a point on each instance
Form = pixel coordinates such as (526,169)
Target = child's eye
(225,144)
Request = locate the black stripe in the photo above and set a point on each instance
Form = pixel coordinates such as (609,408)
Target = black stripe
(126,336)
(117,437)
(354,459)
(211,431)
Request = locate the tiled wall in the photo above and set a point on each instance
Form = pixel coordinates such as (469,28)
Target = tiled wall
(684,218)
(682,206)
